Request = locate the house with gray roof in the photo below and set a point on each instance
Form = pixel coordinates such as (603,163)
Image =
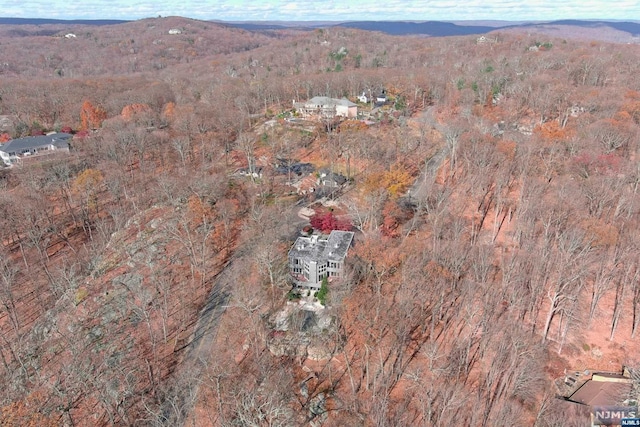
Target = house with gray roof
(17,149)
(313,258)
(329,178)
(327,108)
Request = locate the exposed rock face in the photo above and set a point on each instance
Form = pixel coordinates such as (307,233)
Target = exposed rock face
(126,323)
(6,124)
(303,330)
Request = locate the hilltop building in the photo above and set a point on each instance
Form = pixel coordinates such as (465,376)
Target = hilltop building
(313,258)
(326,108)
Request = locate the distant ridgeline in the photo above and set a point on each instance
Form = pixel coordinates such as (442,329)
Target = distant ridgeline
(427,28)
(431,28)
(632,28)
(439,28)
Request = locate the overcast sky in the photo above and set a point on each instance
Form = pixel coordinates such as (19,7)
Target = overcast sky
(322,10)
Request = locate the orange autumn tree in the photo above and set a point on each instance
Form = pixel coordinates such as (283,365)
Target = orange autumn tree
(552,132)
(396,180)
(199,211)
(91,117)
(169,111)
(87,185)
(132,110)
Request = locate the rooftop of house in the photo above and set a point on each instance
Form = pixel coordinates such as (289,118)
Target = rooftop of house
(326,101)
(327,175)
(603,389)
(59,140)
(315,248)
(296,168)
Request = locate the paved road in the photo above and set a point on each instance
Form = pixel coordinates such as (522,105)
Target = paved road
(423,183)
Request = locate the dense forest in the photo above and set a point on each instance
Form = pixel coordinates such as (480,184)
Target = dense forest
(144,277)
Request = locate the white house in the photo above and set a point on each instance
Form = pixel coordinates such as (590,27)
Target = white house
(252,172)
(325,107)
(485,39)
(16,149)
(313,258)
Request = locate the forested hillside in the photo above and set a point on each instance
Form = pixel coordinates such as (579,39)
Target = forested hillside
(144,277)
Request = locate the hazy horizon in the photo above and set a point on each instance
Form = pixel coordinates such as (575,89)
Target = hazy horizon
(486,22)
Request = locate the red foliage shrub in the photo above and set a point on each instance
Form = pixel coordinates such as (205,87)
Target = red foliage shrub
(394,215)
(328,221)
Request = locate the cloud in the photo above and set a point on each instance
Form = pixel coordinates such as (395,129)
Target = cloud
(316,10)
